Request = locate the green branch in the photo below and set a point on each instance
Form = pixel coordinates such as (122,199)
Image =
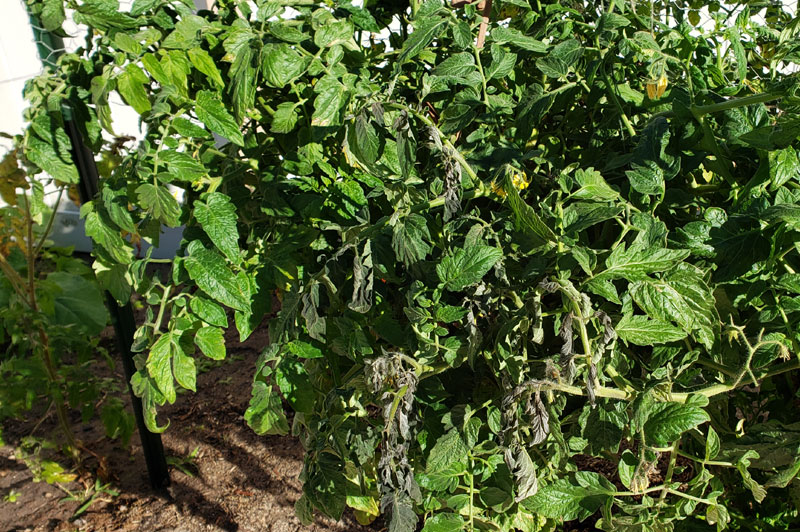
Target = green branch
(733,103)
(702,110)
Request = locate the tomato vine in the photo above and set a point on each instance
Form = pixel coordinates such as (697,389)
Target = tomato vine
(575,243)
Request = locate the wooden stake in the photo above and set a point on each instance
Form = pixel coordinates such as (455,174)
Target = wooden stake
(485,7)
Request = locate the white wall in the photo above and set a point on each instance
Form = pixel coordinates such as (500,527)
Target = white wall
(19,61)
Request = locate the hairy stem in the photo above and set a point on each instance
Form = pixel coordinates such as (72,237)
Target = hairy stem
(673,458)
(44,339)
(162,308)
(49,226)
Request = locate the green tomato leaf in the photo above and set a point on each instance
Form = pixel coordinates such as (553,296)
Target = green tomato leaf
(102,232)
(331,97)
(681,296)
(131,85)
(265,413)
(183,166)
(295,385)
(333,33)
(641,330)
(603,426)
(467,267)
(104,15)
(363,141)
(280,65)
(211,342)
(634,263)
(53,15)
(78,303)
(502,35)
(568,499)
(217,216)
(208,269)
(444,522)
(302,349)
(627,467)
(189,129)
(448,450)
(159,364)
(525,217)
(713,445)
(212,113)
(667,421)
(184,370)
(159,201)
(203,62)
(592,186)
(43,154)
(326,485)
(410,239)
(285,118)
(427,30)
(208,311)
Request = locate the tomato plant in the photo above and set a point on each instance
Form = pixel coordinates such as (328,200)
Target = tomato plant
(51,314)
(546,279)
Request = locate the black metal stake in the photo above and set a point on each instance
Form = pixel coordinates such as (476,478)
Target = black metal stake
(50,47)
(121,317)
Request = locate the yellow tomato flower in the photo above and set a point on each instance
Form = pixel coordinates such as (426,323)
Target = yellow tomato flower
(655,90)
(497,189)
(520,182)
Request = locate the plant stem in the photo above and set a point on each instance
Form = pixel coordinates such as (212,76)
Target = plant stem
(713,365)
(701,110)
(687,496)
(673,458)
(162,308)
(611,94)
(706,462)
(733,103)
(44,339)
(477,54)
(471,495)
(49,226)
(677,397)
(16,280)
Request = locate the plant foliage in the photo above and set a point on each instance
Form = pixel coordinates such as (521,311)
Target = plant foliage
(51,312)
(549,279)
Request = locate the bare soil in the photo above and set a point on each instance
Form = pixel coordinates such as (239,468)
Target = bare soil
(240,481)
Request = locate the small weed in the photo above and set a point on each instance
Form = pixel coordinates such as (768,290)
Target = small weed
(185,464)
(99,492)
(11,496)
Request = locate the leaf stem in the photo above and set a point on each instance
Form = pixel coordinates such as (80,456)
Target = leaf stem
(49,226)
(706,462)
(162,308)
(471,495)
(673,458)
(637,493)
(701,110)
(44,340)
(713,365)
(477,54)
(733,103)
(612,95)
(16,280)
(687,496)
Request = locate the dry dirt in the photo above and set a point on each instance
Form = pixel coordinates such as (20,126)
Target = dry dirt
(241,481)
